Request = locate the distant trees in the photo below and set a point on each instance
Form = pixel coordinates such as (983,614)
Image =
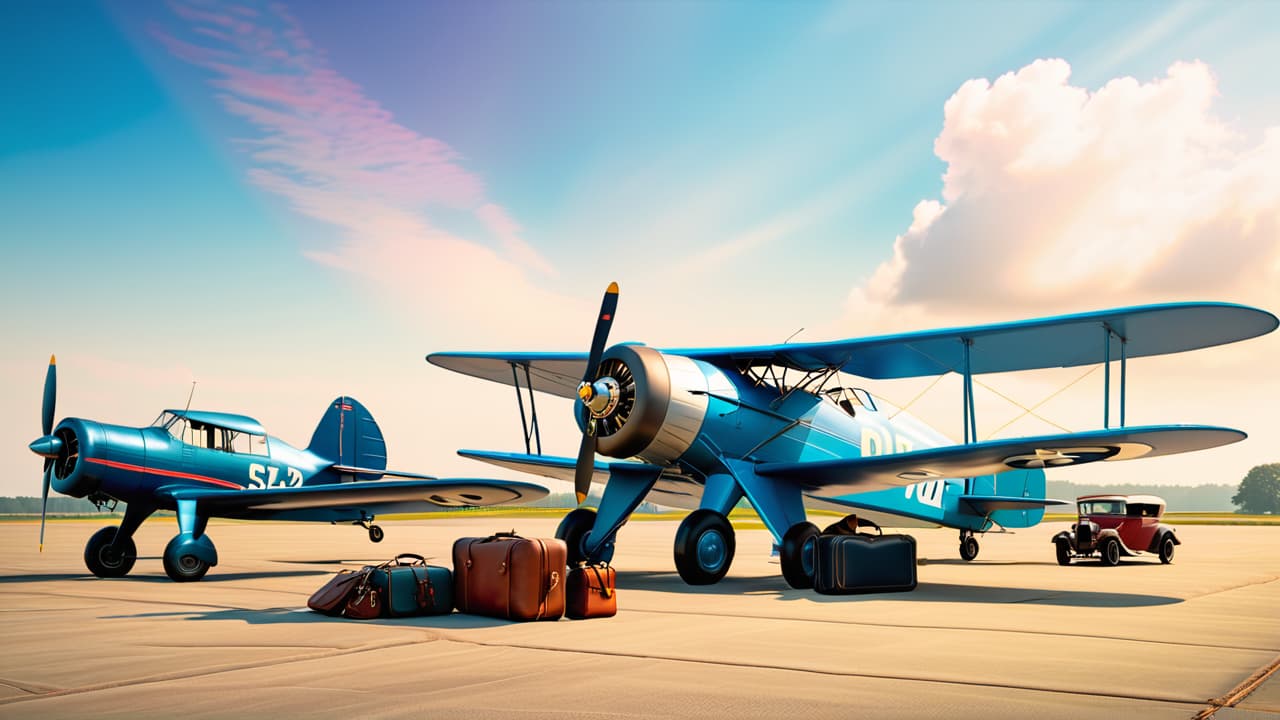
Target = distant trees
(1260,490)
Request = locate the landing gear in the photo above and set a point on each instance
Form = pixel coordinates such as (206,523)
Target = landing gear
(704,547)
(968,545)
(187,559)
(573,530)
(108,559)
(799,546)
(375,532)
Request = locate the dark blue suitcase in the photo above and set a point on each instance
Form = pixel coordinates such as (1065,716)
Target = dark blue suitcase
(863,563)
(410,586)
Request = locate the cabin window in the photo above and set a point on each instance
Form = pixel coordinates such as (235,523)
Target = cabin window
(246,443)
(1143,510)
(1102,507)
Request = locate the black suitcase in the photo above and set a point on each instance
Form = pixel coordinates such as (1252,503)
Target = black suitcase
(864,563)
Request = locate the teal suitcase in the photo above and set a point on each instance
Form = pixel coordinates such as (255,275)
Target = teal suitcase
(412,587)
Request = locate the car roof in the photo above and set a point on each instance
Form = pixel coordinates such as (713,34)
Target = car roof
(1131,499)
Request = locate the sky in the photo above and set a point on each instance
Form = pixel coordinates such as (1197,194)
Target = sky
(283,203)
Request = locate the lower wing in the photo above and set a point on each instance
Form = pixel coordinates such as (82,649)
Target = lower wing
(831,478)
(337,502)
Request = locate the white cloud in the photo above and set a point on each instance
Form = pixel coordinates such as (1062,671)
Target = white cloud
(1054,194)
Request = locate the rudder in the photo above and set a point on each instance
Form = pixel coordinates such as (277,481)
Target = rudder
(348,435)
(1027,483)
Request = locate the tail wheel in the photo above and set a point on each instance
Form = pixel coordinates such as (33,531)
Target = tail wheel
(1110,551)
(1063,551)
(107,559)
(376,534)
(1166,549)
(573,530)
(799,553)
(704,547)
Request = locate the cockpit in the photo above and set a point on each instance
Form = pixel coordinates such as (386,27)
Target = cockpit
(786,380)
(202,430)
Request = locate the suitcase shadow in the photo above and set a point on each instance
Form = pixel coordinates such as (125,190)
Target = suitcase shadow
(305,616)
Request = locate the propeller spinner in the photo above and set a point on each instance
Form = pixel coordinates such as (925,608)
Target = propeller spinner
(599,397)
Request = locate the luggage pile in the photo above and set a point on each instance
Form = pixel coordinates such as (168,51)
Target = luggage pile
(503,576)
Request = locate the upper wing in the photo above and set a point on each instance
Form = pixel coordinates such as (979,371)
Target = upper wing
(1062,341)
(343,501)
(832,478)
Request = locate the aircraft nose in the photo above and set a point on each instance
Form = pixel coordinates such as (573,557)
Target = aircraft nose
(47,446)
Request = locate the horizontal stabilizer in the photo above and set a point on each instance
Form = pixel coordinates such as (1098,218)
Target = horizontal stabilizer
(987,504)
(825,478)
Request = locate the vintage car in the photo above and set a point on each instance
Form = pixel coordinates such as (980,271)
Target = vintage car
(1116,525)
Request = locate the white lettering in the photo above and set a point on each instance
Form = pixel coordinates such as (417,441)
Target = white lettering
(255,476)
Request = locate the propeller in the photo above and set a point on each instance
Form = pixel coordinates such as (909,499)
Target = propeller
(589,394)
(46,426)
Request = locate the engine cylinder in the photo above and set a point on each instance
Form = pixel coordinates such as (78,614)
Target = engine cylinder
(663,405)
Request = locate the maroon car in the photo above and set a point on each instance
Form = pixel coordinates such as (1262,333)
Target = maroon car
(1116,525)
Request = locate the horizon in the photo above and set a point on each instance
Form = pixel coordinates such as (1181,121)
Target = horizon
(256,199)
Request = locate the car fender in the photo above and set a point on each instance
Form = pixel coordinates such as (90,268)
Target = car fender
(1110,532)
(1063,535)
(1161,532)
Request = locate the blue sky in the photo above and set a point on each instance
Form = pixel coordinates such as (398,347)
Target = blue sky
(285,203)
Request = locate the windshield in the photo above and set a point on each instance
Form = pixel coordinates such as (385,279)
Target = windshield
(1102,507)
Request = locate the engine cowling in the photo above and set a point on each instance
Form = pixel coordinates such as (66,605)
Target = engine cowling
(659,408)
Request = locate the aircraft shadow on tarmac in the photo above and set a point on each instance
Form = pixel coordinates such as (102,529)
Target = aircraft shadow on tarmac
(302,615)
(924,592)
(161,578)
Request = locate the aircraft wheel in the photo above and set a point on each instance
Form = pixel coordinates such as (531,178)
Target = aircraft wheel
(105,561)
(1110,552)
(1064,552)
(376,534)
(182,567)
(798,554)
(573,530)
(1166,549)
(968,548)
(704,547)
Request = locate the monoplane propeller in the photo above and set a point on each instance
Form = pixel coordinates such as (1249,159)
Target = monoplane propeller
(588,393)
(47,445)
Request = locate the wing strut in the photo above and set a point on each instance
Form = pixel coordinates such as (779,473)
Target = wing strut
(528,425)
(1106,382)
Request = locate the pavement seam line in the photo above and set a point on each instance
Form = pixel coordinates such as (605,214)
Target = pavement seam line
(168,677)
(833,673)
(1238,693)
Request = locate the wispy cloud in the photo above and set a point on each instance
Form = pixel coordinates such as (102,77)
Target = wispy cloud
(337,156)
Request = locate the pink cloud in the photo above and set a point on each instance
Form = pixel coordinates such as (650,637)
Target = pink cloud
(337,156)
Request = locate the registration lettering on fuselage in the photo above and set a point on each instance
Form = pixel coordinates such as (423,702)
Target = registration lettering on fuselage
(268,476)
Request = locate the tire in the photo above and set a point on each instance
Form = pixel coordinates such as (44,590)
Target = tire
(1167,546)
(969,548)
(105,563)
(1110,552)
(573,530)
(376,534)
(1063,549)
(182,567)
(797,554)
(704,547)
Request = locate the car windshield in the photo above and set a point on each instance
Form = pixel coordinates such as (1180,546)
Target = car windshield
(1102,507)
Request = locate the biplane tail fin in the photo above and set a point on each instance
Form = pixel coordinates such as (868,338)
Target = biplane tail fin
(349,436)
(1013,499)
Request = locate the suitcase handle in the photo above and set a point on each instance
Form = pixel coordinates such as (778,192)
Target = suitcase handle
(501,536)
(395,561)
(864,522)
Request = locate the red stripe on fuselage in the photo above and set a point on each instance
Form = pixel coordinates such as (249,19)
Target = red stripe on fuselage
(164,473)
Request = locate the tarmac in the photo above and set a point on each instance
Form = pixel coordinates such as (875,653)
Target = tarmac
(1011,634)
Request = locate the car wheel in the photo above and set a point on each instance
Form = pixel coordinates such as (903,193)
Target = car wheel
(1110,551)
(1064,552)
(1166,549)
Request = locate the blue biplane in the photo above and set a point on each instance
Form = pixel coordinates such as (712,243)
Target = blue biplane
(213,464)
(782,426)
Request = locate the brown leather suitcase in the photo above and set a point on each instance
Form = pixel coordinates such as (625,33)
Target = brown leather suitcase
(590,593)
(507,576)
